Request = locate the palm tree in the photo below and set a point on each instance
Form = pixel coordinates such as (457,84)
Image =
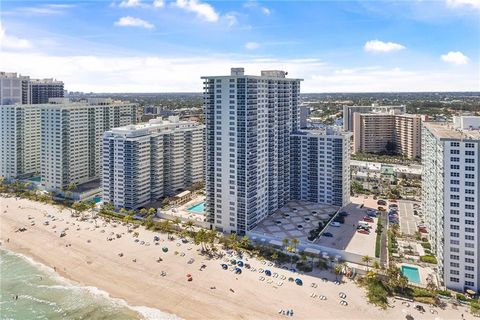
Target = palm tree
(189,224)
(337,270)
(123,211)
(211,236)
(274,257)
(285,243)
(244,242)
(143,212)
(69,189)
(177,222)
(295,243)
(152,211)
(127,220)
(376,266)
(166,226)
(366,259)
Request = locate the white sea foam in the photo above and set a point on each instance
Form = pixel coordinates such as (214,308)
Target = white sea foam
(147,313)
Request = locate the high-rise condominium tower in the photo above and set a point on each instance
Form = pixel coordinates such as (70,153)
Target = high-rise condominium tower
(321,166)
(450,199)
(71,138)
(249,120)
(19,141)
(145,162)
(17,89)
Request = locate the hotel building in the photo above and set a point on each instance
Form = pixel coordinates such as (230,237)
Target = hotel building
(71,138)
(250,157)
(19,141)
(146,162)
(450,199)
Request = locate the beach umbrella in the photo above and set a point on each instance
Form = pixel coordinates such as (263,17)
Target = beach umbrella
(189,275)
(298,281)
(268,272)
(238,270)
(233,261)
(224,266)
(290,279)
(409,317)
(240,263)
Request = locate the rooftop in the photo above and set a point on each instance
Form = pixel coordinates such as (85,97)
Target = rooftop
(449,130)
(265,74)
(154,125)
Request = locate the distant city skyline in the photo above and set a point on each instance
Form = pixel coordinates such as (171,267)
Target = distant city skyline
(165,46)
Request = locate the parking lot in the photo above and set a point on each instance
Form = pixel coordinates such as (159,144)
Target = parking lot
(345,237)
(408,221)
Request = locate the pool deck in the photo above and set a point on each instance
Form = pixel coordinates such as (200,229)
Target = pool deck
(183,212)
(423,273)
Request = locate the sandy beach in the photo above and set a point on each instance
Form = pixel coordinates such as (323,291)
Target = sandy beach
(85,255)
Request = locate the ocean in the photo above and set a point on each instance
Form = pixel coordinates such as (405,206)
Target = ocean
(29,290)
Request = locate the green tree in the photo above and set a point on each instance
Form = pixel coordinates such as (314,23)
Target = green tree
(337,270)
(366,259)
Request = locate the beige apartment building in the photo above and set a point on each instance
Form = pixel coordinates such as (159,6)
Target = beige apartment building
(372,132)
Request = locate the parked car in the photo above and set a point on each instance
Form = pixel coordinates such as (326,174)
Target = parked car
(343,213)
(327,234)
(382,202)
(335,224)
(339,219)
(381,209)
(392,200)
(393,206)
(363,231)
(367,219)
(372,213)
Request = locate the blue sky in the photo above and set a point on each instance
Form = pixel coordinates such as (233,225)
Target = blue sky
(165,46)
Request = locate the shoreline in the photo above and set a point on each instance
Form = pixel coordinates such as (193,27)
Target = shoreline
(86,256)
(139,312)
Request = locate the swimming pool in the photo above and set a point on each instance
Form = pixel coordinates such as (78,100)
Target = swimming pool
(198,208)
(411,273)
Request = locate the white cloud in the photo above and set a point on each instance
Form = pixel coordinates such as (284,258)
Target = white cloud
(377,46)
(158,3)
(129,21)
(135,73)
(202,10)
(131,4)
(12,42)
(45,10)
(231,19)
(252,45)
(463,3)
(254,4)
(455,57)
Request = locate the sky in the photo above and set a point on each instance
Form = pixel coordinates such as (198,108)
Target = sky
(167,45)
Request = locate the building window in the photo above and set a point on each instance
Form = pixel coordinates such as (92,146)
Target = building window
(452,279)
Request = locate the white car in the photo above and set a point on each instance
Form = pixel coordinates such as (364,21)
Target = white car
(335,224)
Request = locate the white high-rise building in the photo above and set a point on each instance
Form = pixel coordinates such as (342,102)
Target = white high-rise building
(71,138)
(145,162)
(19,141)
(248,124)
(12,88)
(450,199)
(321,166)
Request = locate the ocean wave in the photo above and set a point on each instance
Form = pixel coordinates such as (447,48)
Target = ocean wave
(146,313)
